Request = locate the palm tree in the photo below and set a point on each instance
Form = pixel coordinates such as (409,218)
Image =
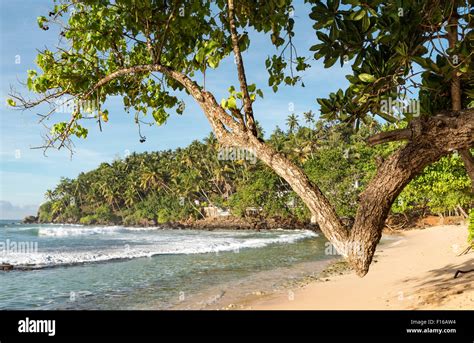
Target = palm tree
(308,117)
(292,122)
(149,179)
(50,195)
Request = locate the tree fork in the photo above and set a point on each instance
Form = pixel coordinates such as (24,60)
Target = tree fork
(434,138)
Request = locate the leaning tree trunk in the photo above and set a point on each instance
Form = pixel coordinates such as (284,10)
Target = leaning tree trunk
(468,164)
(326,216)
(428,140)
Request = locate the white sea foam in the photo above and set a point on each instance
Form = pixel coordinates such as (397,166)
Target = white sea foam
(86,230)
(153,243)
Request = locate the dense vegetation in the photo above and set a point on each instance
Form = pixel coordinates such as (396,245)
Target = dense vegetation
(171,186)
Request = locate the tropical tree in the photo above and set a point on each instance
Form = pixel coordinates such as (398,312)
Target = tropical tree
(309,118)
(120,47)
(292,123)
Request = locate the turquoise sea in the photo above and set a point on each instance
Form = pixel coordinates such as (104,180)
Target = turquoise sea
(116,267)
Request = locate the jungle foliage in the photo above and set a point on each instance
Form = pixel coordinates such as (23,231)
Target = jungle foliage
(175,185)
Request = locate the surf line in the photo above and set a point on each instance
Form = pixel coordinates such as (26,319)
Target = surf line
(37,326)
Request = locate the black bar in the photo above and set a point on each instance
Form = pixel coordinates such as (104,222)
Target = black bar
(243,323)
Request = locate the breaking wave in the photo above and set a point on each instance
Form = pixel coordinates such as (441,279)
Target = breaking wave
(86,230)
(143,242)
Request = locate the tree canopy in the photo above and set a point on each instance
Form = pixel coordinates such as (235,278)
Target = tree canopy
(394,47)
(145,51)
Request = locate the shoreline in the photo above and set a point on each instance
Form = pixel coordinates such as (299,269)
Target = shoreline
(231,222)
(414,272)
(208,224)
(231,295)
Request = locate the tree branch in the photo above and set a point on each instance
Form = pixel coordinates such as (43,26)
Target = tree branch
(163,38)
(248,111)
(455,82)
(217,116)
(390,136)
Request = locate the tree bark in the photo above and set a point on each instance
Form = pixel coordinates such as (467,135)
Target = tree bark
(452,34)
(326,216)
(432,138)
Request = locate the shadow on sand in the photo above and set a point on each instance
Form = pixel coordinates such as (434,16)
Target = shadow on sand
(441,284)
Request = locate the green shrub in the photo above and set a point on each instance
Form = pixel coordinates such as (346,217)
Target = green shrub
(88,220)
(70,214)
(440,188)
(105,215)
(263,190)
(45,214)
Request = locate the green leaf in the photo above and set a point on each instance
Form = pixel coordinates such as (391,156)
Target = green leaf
(358,15)
(41,21)
(104,115)
(351,2)
(11,102)
(81,132)
(213,62)
(366,77)
(365,23)
(231,103)
(160,116)
(329,61)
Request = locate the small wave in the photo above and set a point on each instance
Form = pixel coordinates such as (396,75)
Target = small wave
(87,230)
(184,245)
(64,224)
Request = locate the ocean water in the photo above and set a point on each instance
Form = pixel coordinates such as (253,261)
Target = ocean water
(95,267)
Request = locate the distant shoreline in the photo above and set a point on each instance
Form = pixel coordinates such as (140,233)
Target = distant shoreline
(211,223)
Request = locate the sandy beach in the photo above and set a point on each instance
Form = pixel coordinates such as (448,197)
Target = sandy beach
(414,272)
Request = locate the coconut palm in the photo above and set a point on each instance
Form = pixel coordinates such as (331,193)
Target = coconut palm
(292,123)
(309,118)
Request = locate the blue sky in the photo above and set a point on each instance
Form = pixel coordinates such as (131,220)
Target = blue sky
(26,173)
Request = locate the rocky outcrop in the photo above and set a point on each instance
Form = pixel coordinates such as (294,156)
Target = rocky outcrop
(30,220)
(214,223)
(248,223)
(6,267)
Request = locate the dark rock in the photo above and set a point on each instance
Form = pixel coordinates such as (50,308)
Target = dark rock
(6,266)
(30,220)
